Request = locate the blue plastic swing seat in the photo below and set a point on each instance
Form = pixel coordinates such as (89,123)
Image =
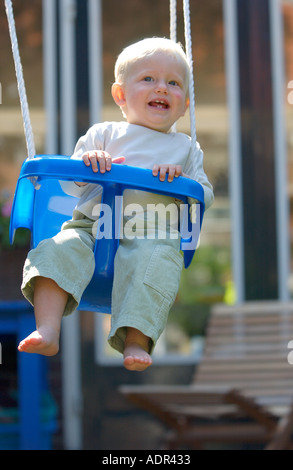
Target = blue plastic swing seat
(44,210)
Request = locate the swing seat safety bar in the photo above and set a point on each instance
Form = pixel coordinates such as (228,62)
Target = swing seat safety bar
(44,210)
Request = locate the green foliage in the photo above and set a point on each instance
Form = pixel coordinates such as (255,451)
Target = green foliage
(202,284)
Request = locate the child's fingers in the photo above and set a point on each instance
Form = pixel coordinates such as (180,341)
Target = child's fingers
(104,161)
(90,159)
(98,160)
(93,158)
(174,171)
(155,170)
(160,169)
(171,173)
(118,160)
(163,170)
(85,158)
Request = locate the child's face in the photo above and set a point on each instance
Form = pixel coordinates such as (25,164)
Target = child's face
(154,94)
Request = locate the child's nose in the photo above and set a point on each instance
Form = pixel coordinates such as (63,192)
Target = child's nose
(161,87)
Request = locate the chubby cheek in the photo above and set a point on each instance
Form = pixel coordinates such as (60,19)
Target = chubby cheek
(180,98)
(138,99)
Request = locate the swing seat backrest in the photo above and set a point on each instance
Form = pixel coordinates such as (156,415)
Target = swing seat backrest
(44,210)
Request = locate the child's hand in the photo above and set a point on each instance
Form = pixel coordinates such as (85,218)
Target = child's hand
(172,170)
(99,160)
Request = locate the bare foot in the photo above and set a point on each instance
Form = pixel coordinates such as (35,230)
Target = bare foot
(43,341)
(136,358)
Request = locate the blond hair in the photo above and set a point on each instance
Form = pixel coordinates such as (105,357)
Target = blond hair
(146,48)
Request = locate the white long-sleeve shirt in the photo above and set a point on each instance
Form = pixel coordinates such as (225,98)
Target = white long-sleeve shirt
(141,147)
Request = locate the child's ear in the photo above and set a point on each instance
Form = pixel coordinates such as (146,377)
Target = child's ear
(186,106)
(118,94)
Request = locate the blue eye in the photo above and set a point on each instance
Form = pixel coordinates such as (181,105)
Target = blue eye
(148,79)
(173,83)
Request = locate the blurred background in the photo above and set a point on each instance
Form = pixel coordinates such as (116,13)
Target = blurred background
(99,415)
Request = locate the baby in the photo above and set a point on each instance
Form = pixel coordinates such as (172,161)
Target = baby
(151,88)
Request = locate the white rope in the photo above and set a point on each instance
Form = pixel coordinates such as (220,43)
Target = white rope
(188,47)
(173,32)
(173,20)
(20,82)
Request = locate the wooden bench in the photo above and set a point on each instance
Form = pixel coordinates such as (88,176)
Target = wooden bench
(242,390)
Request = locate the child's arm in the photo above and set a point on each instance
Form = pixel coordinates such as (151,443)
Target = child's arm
(99,161)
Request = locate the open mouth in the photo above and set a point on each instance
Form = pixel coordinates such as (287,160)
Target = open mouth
(159,104)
